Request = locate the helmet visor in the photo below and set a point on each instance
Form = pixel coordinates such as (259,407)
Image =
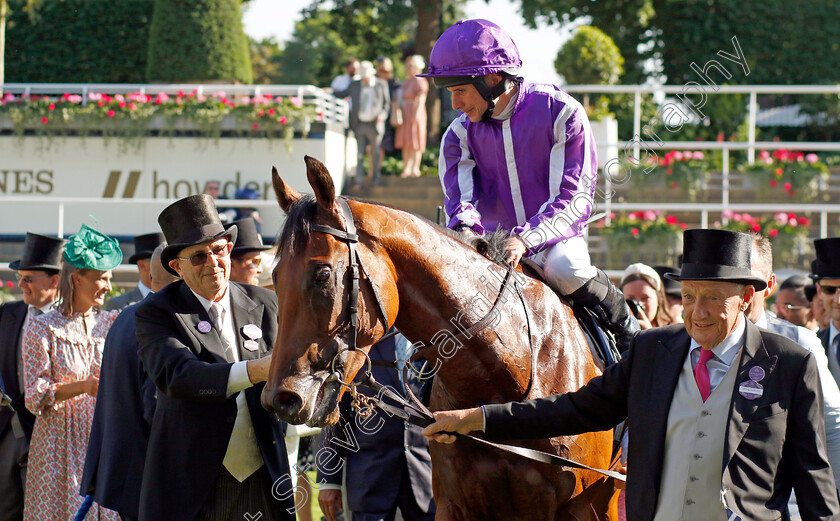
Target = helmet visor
(443,82)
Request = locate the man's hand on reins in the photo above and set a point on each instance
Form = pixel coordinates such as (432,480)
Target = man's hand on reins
(461,421)
(515,248)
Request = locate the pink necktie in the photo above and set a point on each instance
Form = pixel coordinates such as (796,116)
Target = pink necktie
(701,373)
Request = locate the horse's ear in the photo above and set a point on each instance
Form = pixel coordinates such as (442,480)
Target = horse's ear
(321,182)
(286,195)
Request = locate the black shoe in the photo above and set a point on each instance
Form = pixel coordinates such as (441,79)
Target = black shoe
(601,293)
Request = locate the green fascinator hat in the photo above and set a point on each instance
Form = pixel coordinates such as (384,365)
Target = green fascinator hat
(93,250)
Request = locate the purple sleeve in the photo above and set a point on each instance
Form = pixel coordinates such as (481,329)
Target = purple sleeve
(457,169)
(573,170)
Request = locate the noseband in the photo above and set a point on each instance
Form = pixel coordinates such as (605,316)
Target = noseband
(356,267)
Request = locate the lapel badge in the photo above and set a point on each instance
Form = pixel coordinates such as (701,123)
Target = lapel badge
(204,326)
(751,390)
(252,331)
(251,345)
(756,374)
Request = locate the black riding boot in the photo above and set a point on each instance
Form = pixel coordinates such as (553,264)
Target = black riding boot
(600,293)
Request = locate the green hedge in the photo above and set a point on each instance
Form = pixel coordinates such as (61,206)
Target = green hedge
(78,41)
(198,41)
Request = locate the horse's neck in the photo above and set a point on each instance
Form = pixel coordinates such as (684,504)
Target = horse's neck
(445,287)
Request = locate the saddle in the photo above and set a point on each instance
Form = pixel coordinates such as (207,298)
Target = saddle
(602,343)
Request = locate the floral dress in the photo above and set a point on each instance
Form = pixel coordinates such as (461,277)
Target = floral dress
(58,350)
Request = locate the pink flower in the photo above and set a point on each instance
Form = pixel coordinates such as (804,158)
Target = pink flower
(649,215)
(669,172)
(756,228)
(219,94)
(51,107)
(256,126)
(781,218)
(671,219)
(736,217)
(111,113)
(764,154)
(272,112)
(612,215)
(677,156)
(123,104)
(812,158)
(100,103)
(683,226)
(10,284)
(774,183)
(9,97)
(45,120)
(803,221)
(792,223)
(180,94)
(119,97)
(283,120)
(687,155)
(161,98)
(634,232)
(699,155)
(673,184)
(768,161)
(747,218)
(726,214)
(772,233)
(787,187)
(132,105)
(297,101)
(261,113)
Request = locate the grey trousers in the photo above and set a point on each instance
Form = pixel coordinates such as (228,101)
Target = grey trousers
(232,500)
(14,453)
(368,134)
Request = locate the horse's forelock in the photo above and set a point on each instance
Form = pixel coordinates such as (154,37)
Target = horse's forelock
(295,234)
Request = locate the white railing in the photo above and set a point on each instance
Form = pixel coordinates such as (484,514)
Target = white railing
(334,110)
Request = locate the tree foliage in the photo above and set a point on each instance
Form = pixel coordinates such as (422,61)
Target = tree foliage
(590,58)
(198,41)
(78,41)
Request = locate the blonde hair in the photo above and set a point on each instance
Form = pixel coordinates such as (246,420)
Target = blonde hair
(417,60)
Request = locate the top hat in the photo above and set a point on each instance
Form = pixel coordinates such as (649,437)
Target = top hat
(669,286)
(40,253)
(827,263)
(717,255)
(190,221)
(144,246)
(249,239)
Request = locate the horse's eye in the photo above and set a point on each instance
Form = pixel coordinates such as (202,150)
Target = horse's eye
(322,275)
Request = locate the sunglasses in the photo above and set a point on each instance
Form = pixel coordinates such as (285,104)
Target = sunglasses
(29,280)
(200,258)
(791,307)
(829,290)
(252,263)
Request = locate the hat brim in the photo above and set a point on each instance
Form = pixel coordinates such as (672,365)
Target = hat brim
(140,255)
(758,283)
(443,82)
(248,249)
(171,251)
(15,265)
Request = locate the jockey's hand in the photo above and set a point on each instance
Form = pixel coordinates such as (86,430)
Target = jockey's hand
(461,421)
(330,502)
(515,249)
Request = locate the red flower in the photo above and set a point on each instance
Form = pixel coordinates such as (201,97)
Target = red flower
(122,104)
(283,120)
(756,228)
(256,126)
(10,284)
(272,112)
(803,220)
(634,232)
(772,233)
(669,172)
(791,215)
(52,106)
(671,219)
(779,172)
(100,103)
(111,113)
(673,184)
(683,226)
(774,183)
(45,120)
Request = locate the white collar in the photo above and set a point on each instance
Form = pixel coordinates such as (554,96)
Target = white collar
(507,112)
(728,349)
(832,331)
(144,290)
(762,320)
(224,301)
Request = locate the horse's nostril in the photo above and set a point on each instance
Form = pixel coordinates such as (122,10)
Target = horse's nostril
(286,402)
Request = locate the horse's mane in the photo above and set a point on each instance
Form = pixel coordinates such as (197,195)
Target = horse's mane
(295,233)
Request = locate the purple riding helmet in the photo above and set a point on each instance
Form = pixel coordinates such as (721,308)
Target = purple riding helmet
(468,51)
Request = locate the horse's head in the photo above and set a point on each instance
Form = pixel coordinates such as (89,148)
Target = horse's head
(313,280)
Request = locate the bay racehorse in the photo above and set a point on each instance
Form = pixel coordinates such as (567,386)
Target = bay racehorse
(431,285)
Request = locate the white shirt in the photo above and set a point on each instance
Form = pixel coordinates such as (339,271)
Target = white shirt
(724,353)
(144,290)
(238,377)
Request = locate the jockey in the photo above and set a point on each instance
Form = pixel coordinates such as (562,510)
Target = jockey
(521,157)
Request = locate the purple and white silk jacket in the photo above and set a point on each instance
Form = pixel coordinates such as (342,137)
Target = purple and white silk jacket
(533,174)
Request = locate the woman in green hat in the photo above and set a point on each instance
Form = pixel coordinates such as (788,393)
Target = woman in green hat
(62,355)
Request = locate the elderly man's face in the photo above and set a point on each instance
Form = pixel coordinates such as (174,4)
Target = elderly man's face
(713,309)
(210,278)
(828,292)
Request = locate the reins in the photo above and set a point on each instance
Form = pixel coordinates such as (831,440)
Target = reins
(414,411)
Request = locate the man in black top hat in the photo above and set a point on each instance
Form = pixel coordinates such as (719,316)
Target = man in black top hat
(144,246)
(214,453)
(793,301)
(825,270)
(671,288)
(245,258)
(731,415)
(37,274)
